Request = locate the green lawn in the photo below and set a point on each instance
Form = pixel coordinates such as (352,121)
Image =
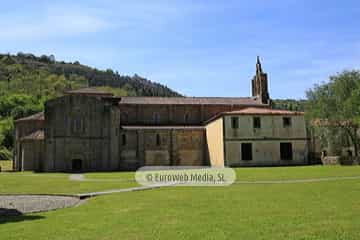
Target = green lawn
(59,183)
(317,210)
(288,173)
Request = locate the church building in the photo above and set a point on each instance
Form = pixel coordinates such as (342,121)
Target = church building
(91,130)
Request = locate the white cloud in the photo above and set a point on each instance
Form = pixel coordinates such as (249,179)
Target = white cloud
(64,20)
(69,18)
(51,24)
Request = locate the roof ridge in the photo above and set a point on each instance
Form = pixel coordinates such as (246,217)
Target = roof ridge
(39,116)
(264,110)
(184,97)
(245,101)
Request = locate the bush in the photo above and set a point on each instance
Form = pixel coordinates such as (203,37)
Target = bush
(5,154)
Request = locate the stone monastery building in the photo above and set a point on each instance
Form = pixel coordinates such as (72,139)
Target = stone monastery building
(90,130)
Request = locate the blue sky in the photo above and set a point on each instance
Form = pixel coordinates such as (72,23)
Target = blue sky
(199,48)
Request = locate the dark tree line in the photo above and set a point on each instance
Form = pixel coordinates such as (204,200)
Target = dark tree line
(136,85)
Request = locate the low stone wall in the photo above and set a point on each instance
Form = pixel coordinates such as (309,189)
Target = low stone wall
(340,160)
(330,160)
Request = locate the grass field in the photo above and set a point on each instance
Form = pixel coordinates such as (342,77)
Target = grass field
(315,210)
(59,183)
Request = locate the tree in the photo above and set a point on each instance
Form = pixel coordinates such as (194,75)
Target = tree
(336,106)
(6,133)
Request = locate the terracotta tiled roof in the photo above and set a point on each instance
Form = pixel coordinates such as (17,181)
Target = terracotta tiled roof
(89,91)
(193,127)
(37,135)
(263,111)
(36,117)
(191,100)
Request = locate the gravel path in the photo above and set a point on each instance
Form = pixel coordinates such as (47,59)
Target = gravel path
(19,204)
(132,189)
(77,177)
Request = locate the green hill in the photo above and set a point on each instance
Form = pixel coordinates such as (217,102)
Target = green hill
(27,81)
(26,72)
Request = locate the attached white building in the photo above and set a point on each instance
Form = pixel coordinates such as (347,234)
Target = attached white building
(258,137)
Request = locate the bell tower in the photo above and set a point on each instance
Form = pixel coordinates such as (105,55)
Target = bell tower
(260,84)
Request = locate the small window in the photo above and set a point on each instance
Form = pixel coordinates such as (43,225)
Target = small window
(158,140)
(257,122)
(156,117)
(77,125)
(235,122)
(123,139)
(246,151)
(124,117)
(287,122)
(286,152)
(186,118)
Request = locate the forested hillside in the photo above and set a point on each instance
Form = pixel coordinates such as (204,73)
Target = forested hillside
(28,67)
(289,104)
(27,81)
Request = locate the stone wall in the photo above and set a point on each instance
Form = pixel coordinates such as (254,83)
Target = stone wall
(32,155)
(168,147)
(340,160)
(138,114)
(84,129)
(22,129)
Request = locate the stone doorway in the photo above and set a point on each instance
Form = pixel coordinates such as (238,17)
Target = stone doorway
(76,165)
